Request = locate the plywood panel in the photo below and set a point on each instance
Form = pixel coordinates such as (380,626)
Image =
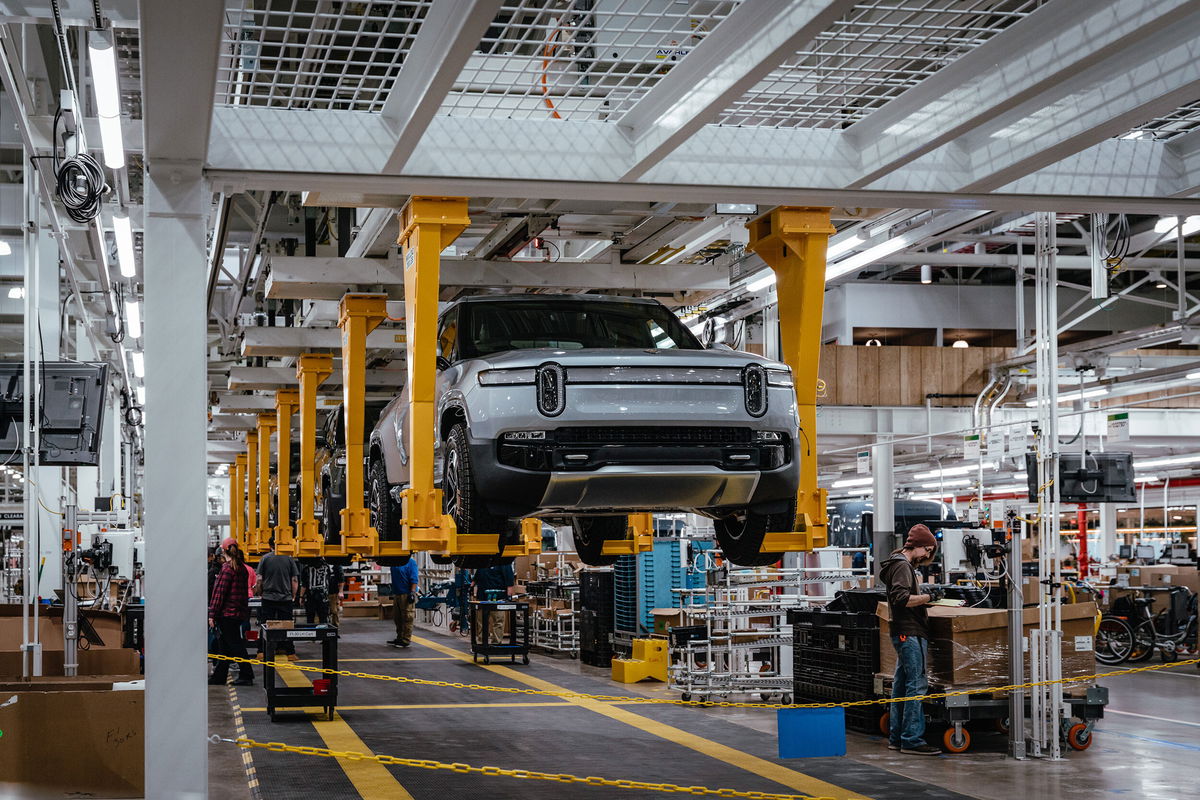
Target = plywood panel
(869,359)
(847,376)
(890,391)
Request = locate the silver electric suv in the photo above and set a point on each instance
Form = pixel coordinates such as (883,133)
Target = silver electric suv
(586,408)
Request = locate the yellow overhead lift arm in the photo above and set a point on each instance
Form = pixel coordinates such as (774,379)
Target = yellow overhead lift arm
(311,370)
(793,241)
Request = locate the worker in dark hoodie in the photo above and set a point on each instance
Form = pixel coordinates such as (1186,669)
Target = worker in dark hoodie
(910,637)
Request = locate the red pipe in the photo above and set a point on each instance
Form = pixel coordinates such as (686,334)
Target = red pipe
(1081,523)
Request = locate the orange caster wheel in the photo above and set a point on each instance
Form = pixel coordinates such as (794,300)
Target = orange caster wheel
(1079,737)
(885,724)
(956,741)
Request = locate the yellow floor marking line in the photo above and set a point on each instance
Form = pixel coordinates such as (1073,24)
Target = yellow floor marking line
(317,661)
(758,766)
(371,780)
(240,727)
(440,706)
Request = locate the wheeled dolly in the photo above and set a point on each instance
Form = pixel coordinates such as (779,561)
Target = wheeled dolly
(515,641)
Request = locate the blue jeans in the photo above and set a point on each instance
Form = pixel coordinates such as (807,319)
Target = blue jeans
(907,720)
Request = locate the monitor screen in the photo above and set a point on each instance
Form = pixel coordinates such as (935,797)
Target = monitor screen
(71,417)
(1145,551)
(1088,478)
(1124,551)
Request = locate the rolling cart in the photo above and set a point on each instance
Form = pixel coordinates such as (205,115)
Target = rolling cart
(1086,703)
(516,640)
(323,690)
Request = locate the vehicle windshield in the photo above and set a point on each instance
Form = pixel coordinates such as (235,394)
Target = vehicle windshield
(570,325)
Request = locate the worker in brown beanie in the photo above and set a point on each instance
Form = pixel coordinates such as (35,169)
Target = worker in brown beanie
(910,637)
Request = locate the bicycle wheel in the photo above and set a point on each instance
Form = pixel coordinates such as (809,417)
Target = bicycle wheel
(1144,638)
(1188,647)
(1114,640)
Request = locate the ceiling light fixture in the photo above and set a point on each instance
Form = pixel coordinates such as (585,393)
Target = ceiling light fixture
(868,256)
(1166,462)
(844,246)
(960,344)
(5,248)
(846,483)
(948,471)
(139,363)
(762,283)
(123,233)
(103,55)
(141,395)
(944,483)
(926,274)
(133,316)
(16,293)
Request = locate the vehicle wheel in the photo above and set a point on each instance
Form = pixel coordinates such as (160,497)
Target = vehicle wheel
(740,535)
(438,558)
(385,512)
(331,520)
(956,741)
(885,724)
(460,496)
(1114,641)
(1079,737)
(480,562)
(590,534)
(1143,641)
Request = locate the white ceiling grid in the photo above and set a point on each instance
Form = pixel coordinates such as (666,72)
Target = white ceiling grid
(870,56)
(327,54)
(539,60)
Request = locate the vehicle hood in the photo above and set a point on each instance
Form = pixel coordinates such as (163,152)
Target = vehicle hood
(605,357)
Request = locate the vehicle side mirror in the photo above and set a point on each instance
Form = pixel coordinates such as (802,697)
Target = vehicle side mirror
(442,363)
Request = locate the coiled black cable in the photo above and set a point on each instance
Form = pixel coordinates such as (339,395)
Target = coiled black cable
(78,182)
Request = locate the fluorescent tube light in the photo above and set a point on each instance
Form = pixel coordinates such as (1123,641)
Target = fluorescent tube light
(846,483)
(949,471)
(1147,479)
(1193,376)
(133,316)
(5,248)
(1070,396)
(844,246)
(123,233)
(868,256)
(1166,462)
(139,363)
(944,483)
(16,293)
(108,96)
(763,282)
(141,395)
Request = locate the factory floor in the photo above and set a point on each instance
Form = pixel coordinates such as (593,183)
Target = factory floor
(1147,746)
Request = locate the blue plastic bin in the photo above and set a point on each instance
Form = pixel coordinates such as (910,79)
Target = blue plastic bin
(811,732)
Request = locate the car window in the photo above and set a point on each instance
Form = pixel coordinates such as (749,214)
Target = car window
(448,335)
(571,325)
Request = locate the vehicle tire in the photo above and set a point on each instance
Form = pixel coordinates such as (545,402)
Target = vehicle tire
(590,534)
(1114,641)
(438,558)
(1079,737)
(740,535)
(460,495)
(385,512)
(1143,641)
(480,562)
(331,519)
(956,741)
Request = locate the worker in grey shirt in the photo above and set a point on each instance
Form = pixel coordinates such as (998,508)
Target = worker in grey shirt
(279,585)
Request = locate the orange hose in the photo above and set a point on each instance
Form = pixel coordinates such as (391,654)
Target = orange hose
(548,51)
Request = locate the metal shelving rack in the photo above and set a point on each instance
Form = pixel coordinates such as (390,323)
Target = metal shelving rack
(559,634)
(726,658)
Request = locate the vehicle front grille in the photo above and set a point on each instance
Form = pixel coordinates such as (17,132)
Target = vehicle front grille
(659,435)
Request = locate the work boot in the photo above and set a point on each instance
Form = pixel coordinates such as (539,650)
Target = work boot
(922,750)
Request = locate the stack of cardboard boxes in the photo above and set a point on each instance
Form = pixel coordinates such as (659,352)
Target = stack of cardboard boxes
(968,647)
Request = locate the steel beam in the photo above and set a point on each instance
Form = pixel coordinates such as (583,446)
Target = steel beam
(311,371)
(330,278)
(243,403)
(282,342)
(278,377)
(448,35)
(754,39)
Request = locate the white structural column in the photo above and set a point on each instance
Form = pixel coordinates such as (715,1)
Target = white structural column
(179,60)
(49,480)
(1108,532)
(176,482)
(884,505)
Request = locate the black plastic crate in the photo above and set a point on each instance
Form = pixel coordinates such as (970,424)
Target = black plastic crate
(680,635)
(844,639)
(846,662)
(861,600)
(810,673)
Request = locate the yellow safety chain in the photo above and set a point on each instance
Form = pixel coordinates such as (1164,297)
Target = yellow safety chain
(608,698)
(421,763)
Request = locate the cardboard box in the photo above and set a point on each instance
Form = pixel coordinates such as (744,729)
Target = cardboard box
(362,608)
(969,646)
(1028,550)
(83,743)
(107,658)
(279,624)
(665,618)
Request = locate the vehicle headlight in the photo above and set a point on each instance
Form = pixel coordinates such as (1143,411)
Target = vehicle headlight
(754,388)
(780,377)
(506,377)
(551,389)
